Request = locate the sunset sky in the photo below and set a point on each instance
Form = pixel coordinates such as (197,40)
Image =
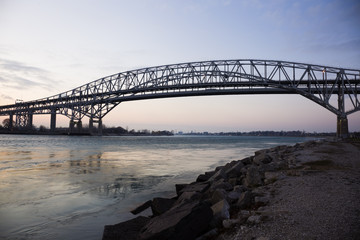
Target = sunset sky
(48,47)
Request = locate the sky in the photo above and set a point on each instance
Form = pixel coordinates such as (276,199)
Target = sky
(48,47)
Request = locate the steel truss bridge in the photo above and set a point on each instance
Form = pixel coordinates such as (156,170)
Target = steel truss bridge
(336,89)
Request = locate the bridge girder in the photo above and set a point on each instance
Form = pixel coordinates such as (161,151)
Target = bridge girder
(321,84)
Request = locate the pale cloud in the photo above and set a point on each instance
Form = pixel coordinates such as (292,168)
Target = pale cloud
(18,75)
(6,97)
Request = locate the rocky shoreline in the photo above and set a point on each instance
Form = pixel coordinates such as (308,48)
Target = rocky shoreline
(227,203)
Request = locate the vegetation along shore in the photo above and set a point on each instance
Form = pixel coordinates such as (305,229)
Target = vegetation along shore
(306,191)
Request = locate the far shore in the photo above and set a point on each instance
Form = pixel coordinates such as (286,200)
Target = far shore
(118,131)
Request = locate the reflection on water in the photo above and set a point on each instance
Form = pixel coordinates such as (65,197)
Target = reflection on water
(59,186)
(125,185)
(85,166)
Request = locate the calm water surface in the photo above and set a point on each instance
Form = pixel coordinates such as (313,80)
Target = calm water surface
(61,187)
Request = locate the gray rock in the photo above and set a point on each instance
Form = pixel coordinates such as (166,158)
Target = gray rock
(267,167)
(179,188)
(244,214)
(233,196)
(218,195)
(245,200)
(247,160)
(186,221)
(195,187)
(240,188)
(274,157)
(209,235)
(279,165)
(141,208)
(187,197)
(262,158)
(220,174)
(235,181)
(261,200)
(262,238)
(228,223)
(128,230)
(255,219)
(235,171)
(222,185)
(271,177)
(220,212)
(202,178)
(161,205)
(253,177)
(205,177)
(221,171)
(221,209)
(279,148)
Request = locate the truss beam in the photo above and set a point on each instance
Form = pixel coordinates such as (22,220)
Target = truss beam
(336,89)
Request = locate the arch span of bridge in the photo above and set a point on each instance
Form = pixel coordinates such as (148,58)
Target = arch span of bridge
(336,89)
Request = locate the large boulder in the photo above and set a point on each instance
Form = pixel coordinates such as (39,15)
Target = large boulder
(187,197)
(221,211)
(233,196)
(205,177)
(221,172)
(235,170)
(186,221)
(199,187)
(141,208)
(180,187)
(262,157)
(161,205)
(218,195)
(128,230)
(253,177)
(247,160)
(245,200)
(221,184)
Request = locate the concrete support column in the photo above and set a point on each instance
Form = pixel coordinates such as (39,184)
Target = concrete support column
(79,125)
(71,126)
(100,127)
(342,130)
(53,121)
(91,125)
(30,120)
(11,122)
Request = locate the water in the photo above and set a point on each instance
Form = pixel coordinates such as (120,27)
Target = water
(61,187)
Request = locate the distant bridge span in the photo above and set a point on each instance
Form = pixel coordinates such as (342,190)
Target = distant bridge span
(336,89)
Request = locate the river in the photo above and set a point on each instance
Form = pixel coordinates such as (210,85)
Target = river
(69,187)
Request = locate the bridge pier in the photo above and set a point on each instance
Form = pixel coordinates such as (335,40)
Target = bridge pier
(30,120)
(53,121)
(342,130)
(71,126)
(72,129)
(100,127)
(79,126)
(24,120)
(11,122)
(91,126)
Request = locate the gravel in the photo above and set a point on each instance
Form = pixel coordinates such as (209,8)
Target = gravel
(317,199)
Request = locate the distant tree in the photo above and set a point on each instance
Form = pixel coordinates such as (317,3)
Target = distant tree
(42,128)
(6,123)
